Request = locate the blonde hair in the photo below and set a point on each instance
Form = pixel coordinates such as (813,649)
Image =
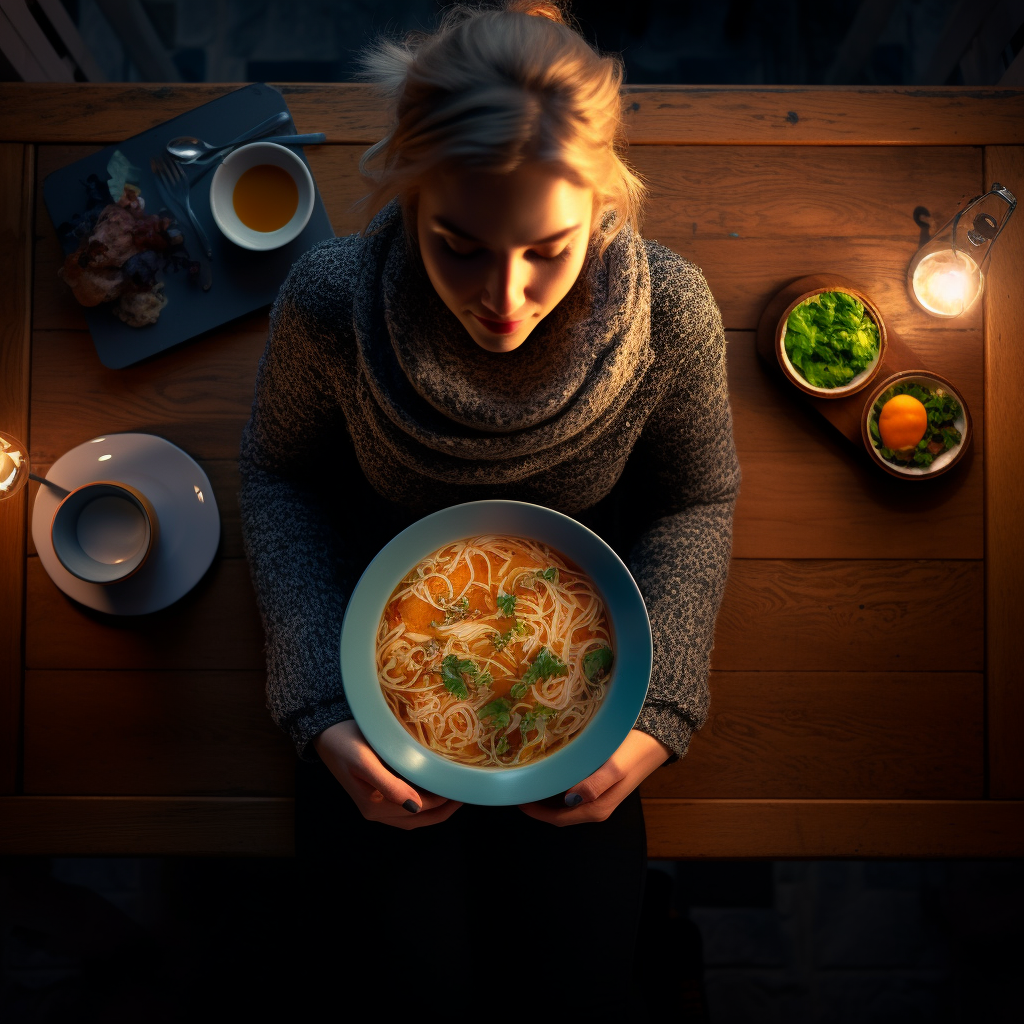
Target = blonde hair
(496,88)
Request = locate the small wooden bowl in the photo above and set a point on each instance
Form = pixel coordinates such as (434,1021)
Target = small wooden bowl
(863,378)
(945,460)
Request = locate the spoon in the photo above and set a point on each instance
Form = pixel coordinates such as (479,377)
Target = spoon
(61,491)
(187,149)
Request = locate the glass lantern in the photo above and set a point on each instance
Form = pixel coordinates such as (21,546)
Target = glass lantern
(14,468)
(947,274)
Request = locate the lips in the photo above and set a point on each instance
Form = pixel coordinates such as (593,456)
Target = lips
(499,326)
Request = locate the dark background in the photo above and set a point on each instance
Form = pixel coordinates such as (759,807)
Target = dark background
(739,42)
(169,939)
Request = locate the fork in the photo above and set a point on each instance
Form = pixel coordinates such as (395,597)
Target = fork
(177,183)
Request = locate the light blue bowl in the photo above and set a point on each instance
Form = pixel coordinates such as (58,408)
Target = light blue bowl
(557,772)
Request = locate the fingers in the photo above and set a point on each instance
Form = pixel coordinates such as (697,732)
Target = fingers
(432,817)
(379,794)
(593,786)
(597,810)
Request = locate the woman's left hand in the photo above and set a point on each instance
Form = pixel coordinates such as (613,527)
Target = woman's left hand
(600,793)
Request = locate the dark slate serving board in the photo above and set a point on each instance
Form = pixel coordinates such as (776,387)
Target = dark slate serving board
(243,280)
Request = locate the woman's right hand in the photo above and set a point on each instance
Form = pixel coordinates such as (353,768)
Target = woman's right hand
(379,794)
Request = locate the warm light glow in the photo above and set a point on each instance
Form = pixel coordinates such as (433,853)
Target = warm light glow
(13,465)
(946,283)
(10,466)
(96,440)
(103,458)
(199,494)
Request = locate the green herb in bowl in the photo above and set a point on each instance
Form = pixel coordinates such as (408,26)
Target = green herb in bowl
(940,432)
(830,339)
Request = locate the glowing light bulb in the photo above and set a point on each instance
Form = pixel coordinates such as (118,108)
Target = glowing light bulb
(947,283)
(13,465)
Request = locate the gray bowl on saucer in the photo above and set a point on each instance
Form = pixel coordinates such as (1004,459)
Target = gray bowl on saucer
(103,532)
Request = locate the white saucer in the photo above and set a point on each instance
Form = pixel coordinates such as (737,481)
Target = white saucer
(180,492)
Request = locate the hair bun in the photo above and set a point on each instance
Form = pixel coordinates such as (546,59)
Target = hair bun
(538,9)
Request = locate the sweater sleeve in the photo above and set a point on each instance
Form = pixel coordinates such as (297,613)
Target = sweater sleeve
(294,448)
(686,464)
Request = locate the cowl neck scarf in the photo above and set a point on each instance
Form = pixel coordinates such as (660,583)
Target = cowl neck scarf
(443,407)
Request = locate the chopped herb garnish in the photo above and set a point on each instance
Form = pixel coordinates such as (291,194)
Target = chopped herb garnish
(452,670)
(550,574)
(500,711)
(502,640)
(507,605)
(544,666)
(535,719)
(942,410)
(502,746)
(597,663)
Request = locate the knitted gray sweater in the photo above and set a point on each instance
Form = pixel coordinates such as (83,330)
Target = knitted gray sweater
(373,407)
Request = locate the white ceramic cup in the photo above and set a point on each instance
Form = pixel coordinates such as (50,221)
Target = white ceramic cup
(103,532)
(222,190)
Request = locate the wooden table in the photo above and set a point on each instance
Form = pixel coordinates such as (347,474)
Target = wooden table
(866,689)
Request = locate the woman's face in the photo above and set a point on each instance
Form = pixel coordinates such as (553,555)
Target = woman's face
(502,250)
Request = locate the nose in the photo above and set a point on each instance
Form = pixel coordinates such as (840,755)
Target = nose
(505,287)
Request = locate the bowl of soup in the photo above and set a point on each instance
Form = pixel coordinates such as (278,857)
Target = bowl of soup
(496,652)
(262,196)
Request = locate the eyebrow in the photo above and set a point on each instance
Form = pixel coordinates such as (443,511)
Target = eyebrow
(452,229)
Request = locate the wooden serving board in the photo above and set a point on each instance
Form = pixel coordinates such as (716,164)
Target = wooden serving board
(843,413)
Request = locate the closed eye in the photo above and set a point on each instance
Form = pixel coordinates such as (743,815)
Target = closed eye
(454,247)
(549,257)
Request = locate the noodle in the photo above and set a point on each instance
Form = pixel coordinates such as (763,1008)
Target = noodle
(494,651)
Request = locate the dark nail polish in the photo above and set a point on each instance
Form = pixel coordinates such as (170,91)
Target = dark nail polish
(411,806)
(573,799)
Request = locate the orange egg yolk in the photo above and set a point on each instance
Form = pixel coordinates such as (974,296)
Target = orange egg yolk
(902,422)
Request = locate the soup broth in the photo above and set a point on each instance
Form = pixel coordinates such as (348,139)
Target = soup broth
(494,651)
(265,197)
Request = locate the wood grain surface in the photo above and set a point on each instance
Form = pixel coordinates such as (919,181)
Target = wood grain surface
(717,829)
(214,627)
(829,735)
(159,733)
(662,115)
(835,736)
(721,829)
(821,614)
(796,615)
(1004,490)
(851,713)
(786,214)
(17,182)
(54,826)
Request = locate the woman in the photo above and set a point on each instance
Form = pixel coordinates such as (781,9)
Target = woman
(499,331)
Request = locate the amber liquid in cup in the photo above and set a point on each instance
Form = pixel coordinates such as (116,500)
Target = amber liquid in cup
(265,197)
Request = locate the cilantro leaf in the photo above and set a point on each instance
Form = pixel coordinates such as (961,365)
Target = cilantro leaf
(502,640)
(550,574)
(500,711)
(502,746)
(451,675)
(544,666)
(507,605)
(535,720)
(597,663)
